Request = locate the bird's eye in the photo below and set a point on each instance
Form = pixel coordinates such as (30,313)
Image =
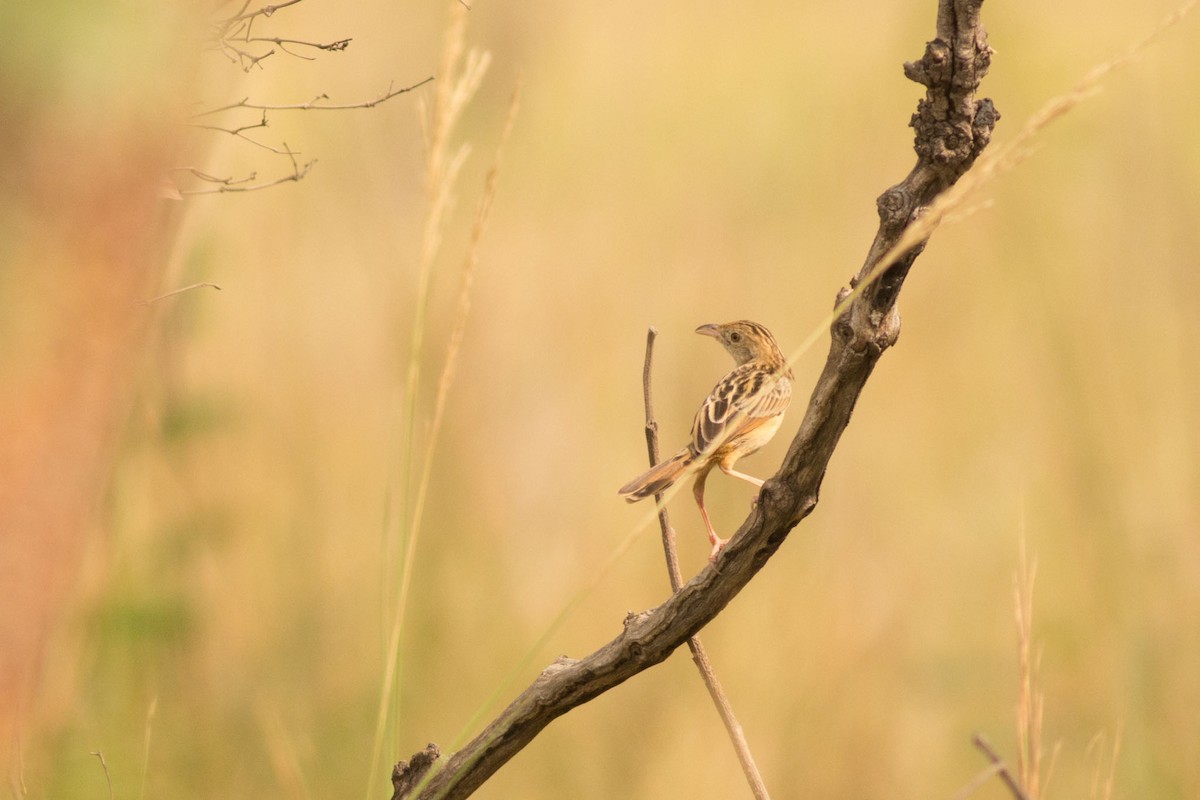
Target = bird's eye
(735,337)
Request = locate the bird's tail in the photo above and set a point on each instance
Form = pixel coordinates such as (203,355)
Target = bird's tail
(658,478)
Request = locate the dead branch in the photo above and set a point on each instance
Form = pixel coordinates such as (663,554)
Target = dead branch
(265,11)
(233,36)
(951,129)
(329,47)
(228,185)
(316,103)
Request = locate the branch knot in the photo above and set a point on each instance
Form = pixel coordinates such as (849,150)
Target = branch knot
(407,774)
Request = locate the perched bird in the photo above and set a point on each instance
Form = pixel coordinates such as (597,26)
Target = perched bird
(739,416)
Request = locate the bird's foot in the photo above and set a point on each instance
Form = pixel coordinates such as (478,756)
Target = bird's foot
(718,545)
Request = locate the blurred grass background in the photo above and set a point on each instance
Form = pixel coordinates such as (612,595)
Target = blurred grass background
(223,635)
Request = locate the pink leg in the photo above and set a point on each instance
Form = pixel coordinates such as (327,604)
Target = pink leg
(731,472)
(698,492)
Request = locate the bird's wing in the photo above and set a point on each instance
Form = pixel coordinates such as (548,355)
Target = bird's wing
(744,397)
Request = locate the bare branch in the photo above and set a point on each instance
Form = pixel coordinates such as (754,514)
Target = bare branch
(265,11)
(244,58)
(241,134)
(227,185)
(262,123)
(204,176)
(952,129)
(315,104)
(329,47)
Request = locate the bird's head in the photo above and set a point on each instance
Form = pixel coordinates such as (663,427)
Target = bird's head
(746,341)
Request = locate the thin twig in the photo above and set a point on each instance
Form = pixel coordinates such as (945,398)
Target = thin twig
(265,11)
(1014,787)
(330,47)
(230,185)
(737,736)
(238,131)
(315,104)
(664,522)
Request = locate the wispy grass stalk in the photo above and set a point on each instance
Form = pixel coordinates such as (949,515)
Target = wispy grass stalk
(149,729)
(1030,700)
(457,84)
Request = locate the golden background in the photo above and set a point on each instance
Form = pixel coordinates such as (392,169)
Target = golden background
(222,626)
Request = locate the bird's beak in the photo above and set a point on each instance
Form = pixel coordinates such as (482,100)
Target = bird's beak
(710,330)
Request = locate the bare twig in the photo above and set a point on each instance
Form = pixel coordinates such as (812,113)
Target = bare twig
(204,176)
(265,11)
(329,47)
(242,57)
(240,134)
(952,128)
(316,103)
(238,131)
(225,185)
(700,658)
(1014,786)
(674,574)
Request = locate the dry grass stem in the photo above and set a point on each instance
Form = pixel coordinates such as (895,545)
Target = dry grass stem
(453,346)
(104,766)
(1095,749)
(281,753)
(976,783)
(1030,701)
(455,89)
(165,295)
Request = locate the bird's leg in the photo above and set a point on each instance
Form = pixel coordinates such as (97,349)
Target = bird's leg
(733,473)
(698,492)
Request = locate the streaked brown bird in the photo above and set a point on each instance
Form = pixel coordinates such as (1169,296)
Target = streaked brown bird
(739,416)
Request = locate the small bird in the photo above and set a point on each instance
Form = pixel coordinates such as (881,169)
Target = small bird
(740,415)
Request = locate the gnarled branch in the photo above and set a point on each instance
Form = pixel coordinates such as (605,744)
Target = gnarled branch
(952,128)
